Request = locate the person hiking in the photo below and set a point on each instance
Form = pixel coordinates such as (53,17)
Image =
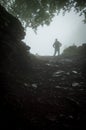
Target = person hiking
(57,46)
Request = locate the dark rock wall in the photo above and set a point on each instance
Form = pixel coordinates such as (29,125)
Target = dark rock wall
(13,52)
(14,68)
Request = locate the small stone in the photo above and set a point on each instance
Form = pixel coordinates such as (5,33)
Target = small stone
(57,87)
(25,84)
(75,84)
(34,85)
(75,72)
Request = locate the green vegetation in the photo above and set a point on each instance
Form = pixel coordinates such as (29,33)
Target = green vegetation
(33,13)
(74,50)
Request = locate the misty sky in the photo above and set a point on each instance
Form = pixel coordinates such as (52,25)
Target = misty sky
(68,29)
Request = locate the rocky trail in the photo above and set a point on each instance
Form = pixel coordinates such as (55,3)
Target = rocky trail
(55,97)
(52,97)
(61,87)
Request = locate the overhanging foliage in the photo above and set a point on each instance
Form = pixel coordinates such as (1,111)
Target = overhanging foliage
(33,13)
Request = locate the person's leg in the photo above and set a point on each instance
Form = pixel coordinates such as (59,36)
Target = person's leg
(54,52)
(58,51)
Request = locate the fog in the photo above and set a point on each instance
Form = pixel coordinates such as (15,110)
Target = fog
(68,29)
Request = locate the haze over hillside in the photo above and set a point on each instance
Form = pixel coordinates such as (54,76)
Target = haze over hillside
(69,29)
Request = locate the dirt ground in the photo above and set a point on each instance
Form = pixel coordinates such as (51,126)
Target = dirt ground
(53,98)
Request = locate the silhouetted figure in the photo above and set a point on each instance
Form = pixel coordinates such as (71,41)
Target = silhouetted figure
(57,46)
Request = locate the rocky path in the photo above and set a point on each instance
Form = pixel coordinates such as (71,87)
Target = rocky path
(53,97)
(59,93)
